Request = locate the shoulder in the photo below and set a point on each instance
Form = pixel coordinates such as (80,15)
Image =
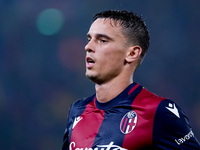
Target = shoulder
(172,128)
(169,115)
(148,99)
(170,109)
(80,104)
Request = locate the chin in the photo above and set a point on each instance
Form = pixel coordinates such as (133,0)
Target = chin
(93,78)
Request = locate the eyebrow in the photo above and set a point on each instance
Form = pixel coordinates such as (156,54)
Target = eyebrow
(100,36)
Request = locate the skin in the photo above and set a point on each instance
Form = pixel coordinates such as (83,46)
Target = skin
(113,59)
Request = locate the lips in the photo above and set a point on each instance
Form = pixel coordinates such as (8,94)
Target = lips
(89,62)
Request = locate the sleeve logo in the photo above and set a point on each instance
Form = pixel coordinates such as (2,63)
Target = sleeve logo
(128,122)
(173,109)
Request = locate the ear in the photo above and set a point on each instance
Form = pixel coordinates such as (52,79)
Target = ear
(133,54)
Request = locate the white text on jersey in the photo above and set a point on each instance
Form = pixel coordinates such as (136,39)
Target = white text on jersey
(101,147)
(185,138)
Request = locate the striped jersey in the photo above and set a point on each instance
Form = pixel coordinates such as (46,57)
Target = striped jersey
(134,120)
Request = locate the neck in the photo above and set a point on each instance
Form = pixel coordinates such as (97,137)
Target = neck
(107,91)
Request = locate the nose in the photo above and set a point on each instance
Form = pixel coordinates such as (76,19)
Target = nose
(89,47)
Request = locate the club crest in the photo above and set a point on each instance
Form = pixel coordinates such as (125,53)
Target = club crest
(128,122)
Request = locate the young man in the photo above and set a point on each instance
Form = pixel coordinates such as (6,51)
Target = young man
(123,115)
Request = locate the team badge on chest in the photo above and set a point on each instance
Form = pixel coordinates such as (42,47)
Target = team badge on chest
(128,122)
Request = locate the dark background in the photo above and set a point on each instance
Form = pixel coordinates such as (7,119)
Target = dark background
(42,68)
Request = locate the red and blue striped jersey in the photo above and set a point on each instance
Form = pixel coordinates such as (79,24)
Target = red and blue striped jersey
(135,119)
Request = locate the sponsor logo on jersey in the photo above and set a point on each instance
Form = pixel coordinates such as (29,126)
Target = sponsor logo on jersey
(173,109)
(185,138)
(110,146)
(128,122)
(76,120)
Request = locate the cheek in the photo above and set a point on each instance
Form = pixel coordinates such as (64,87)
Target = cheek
(111,54)
(116,56)
(113,59)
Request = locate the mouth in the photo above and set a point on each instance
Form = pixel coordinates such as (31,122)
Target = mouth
(89,62)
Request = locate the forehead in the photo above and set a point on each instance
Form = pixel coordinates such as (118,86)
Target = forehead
(106,26)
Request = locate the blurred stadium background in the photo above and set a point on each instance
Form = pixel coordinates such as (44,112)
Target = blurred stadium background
(42,69)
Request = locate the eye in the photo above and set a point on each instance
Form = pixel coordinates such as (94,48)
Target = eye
(103,40)
(88,39)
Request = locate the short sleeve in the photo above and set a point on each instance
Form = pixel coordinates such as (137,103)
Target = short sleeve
(171,128)
(66,133)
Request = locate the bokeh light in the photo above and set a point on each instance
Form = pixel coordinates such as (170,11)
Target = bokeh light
(50,21)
